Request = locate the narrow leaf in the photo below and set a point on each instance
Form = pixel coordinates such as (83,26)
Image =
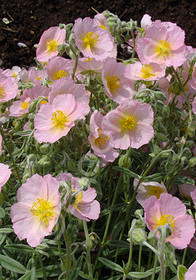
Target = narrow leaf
(12,265)
(142,275)
(110,264)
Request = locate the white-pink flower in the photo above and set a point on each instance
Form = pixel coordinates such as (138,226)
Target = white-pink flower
(54,121)
(191,272)
(37,210)
(48,44)
(5,173)
(59,67)
(8,88)
(117,86)
(194,105)
(100,143)
(170,210)
(93,41)
(129,125)
(163,43)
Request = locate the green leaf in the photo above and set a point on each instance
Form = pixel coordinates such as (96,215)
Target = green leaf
(26,276)
(119,244)
(19,247)
(110,264)
(126,171)
(6,230)
(141,275)
(83,275)
(181,272)
(184,180)
(51,270)
(2,213)
(12,265)
(75,272)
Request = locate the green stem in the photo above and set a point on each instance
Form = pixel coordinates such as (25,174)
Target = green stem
(10,153)
(154,268)
(139,258)
(184,256)
(90,271)
(42,267)
(162,249)
(68,257)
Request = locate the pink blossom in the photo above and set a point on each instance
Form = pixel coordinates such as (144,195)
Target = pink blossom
(117,86)
(147,189)
(37,210)
(14,72)
(193,195)
(54,121)
(49,41)
(191,272)
(129,125)
(148,72)
(8,88)
(89,64)
(163,43)
(101,21)
(5,174)
(146,21)
(194,105)
(67,86)
(0,143)
(59,67)
(170,210)
(19,107)
(100,143)
(185,190)
(93,41)
(37,76)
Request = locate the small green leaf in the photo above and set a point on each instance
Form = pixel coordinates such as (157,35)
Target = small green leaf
(2,213)
(83,275)
(12,265)
(75,272)
(110,264)
(142,275)
(181,272)
(126,171)
(19,247)
(6,230)
(26,276)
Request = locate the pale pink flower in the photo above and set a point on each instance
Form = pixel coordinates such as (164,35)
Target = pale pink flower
(37,210)
(54,121)
(67,86)
(0,143)
(37,76)
(146,21)
(93,41)
(185,190)
(129,125)
(100,143)
(193,78)
(38,91)
(8,89)
(101,21)
(89,64)
(147,189)
(148,72)
(191,272)
(117,86)
(193,195)
(14,72)
(194,105)
(170,210)
(5,174)
(19,107)
(59,67)
(49,41)
(83,204)
(163,43)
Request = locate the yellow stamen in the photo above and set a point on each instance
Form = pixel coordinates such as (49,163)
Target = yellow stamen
(128,123)
(101,140)
(88,59)
(147,71)
(166,219)
(90,39)
(24,105)
(38,78)
(59,74)
(2,92)
(103,26)
(113,83)
(59,119)
(154,190)
(78,198)
(43,210)
(51,45)
(163,49)
(14,75)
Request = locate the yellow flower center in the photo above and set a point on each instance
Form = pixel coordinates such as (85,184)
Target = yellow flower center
(88,59)
(78,198)
(38,78)
(113,83)
(146,71)
(2,92)
(90,40)
(59,74)
(43,210)
(59,119)
(128,123)
(101,140)
(102,26)
(154,190)
(14,75)
(51,45)
(163,48)
(166,219)
(24,105)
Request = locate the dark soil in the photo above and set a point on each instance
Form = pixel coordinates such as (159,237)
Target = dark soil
(29,18)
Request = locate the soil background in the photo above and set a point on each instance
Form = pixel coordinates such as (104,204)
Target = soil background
(28,19)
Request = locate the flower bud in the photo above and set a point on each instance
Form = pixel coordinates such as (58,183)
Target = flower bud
(84,183)
(138,235)
(124,161)
(32,106)
(192,161)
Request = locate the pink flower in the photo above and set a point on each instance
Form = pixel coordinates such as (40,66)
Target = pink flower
(49,41)
(129,125)
(100,143)
(5,174)
(59,67)
(93,41)
(19,107)
(54,121)
(89,64)
(0,143)
(37,76)
(194,105)
(162,44)
(67,86)
(147,189)
(148,72)
(14,72)
(37,210)
(117,86)
(193,195)
(185,190)
(191,272)
(170,210)
(8,88)
(83,204)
